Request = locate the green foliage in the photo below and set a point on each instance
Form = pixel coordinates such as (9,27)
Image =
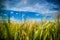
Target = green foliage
(45,30)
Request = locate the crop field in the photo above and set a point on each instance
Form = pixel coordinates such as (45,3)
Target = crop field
(45,30)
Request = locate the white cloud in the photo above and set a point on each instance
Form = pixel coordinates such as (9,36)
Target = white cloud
(25,1)
(24,9)
(16,13)
(37,14)
(12,12)
(22,3)
(39,8)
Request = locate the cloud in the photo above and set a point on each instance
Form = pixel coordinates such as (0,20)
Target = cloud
(37,14)
(39,6)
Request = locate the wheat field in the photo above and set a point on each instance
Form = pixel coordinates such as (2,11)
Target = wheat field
(45,30)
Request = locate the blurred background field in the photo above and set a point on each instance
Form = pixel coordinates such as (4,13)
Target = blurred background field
(44,30)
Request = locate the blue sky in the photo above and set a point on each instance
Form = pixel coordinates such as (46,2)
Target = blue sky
(34,8)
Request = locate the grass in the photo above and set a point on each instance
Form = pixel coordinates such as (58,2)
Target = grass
(45,30)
